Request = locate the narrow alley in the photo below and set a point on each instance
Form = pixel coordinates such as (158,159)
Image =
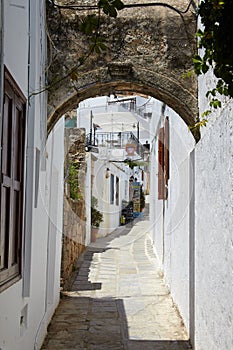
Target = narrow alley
(118,300)
(106,106)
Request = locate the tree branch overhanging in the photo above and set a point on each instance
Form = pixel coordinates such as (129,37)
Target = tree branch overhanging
(125,6)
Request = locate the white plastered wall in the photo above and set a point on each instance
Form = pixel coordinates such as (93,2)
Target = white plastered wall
(101,190)
(27,306)
(214,222)
(170,218)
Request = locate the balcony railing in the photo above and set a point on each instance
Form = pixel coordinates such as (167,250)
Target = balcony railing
(115,140)
(130,105)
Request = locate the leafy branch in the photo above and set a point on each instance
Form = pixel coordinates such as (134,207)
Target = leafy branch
(133,163)
(96,215)
(216,41)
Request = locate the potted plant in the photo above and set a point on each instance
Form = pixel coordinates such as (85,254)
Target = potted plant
(96,218)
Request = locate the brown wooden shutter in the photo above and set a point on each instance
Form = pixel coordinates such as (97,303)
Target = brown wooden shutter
(163,160)
(12,165)
(161,164)
(166,157)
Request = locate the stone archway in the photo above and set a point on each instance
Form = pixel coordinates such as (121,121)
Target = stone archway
(181,100)
(150,51)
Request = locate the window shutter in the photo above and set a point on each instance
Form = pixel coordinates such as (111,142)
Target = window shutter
(161,164)
(166,157)
(11,192)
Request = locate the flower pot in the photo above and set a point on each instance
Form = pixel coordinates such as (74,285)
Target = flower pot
(94,233)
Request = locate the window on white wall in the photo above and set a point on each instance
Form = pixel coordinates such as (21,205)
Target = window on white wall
(112,189)
(12,182)
(117,190)
(163,160)
(166,157)
(161,164)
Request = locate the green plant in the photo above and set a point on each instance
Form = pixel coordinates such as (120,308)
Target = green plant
(73,180)
(216,41)
(132,163)
(96,215)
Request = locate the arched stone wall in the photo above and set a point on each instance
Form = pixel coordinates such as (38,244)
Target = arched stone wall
(150,51)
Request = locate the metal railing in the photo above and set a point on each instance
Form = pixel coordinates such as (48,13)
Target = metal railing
(130,105)
(115,140)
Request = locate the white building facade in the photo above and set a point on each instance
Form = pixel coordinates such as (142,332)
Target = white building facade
(113,125)
(111,188)
(191,221)
(213,226)
(170,200)
(31,182)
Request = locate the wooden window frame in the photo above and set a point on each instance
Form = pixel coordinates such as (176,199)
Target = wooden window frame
(166,157)
(12,182)
(161,164)
(163,161)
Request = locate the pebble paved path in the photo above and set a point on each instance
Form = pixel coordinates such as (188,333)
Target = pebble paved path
(119,300)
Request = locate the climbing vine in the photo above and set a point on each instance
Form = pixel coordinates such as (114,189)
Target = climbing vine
(75,193)
(216,41)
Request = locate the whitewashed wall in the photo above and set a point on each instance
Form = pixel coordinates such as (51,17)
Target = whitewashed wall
(155,205)
(88,199)
(26,307)
(44,281)
(46,244)
(14,41)
(170,218)
(214,222)
(101,190)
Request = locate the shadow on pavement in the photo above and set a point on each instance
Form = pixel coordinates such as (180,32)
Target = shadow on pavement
(91,323)
(97,324)
(81,281)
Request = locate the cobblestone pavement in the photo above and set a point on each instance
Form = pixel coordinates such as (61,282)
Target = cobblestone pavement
(119,300)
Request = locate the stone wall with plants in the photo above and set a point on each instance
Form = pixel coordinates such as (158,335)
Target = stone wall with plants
(74,224)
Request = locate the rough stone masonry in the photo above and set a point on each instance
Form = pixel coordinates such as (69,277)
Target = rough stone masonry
(150,50)
(74,221)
